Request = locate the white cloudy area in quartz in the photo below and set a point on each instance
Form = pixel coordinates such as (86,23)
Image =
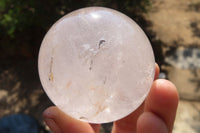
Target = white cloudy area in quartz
(96,65)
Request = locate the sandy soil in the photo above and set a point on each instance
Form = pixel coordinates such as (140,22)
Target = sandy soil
(176,22)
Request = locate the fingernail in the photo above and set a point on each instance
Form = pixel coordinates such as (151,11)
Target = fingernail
(52,125)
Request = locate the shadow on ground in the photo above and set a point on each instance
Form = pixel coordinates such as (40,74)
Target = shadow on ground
(20,89)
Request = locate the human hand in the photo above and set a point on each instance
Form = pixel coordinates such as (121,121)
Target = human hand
(155,115)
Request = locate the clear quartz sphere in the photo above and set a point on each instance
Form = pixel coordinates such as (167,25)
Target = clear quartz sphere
(96,65)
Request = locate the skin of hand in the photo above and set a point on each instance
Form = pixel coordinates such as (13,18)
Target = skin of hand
(155,115)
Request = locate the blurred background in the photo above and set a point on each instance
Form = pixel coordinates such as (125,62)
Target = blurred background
(173,27)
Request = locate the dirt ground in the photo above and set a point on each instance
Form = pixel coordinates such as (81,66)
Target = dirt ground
(176,22)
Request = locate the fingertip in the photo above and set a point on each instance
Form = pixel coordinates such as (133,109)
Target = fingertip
(163,101)
(58,122)
(49,118)
(50,112)
(165,92)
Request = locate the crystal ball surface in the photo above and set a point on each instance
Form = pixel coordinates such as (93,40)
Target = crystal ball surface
(96,65)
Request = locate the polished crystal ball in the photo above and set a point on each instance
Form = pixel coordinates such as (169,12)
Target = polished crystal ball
(96,65)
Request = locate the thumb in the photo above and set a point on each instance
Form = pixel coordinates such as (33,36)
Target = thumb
(59,122)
